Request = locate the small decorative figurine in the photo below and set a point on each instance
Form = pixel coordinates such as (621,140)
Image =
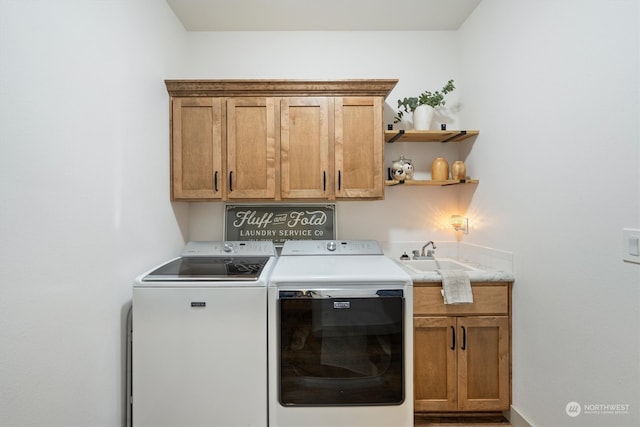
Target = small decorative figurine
(408,169)
(402,169)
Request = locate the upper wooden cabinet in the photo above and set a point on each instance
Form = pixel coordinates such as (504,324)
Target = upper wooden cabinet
(358,150)
(304,148)
(251,148)
(196,152)
(277,140)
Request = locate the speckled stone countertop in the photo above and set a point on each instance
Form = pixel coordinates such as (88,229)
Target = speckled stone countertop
(488,264)
(482,274)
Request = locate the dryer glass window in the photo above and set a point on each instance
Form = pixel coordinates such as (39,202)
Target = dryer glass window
(341,351)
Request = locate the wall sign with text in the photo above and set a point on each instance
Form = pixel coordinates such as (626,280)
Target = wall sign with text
(280,223)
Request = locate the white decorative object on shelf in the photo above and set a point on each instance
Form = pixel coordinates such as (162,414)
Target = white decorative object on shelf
(422,117)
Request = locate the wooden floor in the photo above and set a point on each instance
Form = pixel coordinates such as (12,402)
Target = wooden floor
(488,421)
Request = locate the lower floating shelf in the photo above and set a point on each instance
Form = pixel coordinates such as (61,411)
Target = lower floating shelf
(442,183)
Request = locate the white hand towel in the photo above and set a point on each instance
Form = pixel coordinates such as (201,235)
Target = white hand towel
(456,287)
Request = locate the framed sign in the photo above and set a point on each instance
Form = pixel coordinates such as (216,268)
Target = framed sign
(280,223)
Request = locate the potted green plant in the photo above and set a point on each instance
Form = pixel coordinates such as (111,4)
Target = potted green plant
(422,106)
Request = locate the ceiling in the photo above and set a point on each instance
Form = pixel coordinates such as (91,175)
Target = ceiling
(322,15)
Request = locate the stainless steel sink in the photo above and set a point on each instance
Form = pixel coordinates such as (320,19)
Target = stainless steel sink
(431,265)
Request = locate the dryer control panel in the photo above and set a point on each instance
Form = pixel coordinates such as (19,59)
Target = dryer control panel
(331,247)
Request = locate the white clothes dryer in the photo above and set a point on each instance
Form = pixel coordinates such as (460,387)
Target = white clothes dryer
(340,337)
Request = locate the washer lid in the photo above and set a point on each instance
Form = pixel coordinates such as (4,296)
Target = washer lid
(203,268)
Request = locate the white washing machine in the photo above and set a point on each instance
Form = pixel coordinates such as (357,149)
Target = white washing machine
(340,337)
(200,338)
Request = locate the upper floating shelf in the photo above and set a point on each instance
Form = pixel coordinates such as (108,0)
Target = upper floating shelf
(428,135)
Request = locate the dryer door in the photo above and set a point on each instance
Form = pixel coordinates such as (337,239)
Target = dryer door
(341,350)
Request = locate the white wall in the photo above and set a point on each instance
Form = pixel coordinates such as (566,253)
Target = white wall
(85,198)
(420,60)
(554,87)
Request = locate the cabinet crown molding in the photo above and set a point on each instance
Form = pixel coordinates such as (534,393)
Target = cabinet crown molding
(352,87)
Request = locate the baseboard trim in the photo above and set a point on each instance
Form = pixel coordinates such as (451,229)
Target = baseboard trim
(516,419)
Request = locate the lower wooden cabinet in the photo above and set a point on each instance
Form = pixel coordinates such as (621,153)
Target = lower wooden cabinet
(462,352)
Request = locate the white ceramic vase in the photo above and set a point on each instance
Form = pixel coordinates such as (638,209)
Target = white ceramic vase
(422,117)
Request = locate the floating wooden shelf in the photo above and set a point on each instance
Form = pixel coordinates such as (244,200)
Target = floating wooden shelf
(410,182)
(428,135)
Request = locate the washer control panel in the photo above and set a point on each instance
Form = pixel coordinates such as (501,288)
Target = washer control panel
(226,248)
(331,247)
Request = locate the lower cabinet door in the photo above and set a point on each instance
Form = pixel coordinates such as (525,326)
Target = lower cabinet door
(435,373)
(461,364)
(483,363)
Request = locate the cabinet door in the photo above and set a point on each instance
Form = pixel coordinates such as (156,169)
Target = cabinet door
(358,147)
(251,148)
(304,148)
(483,363)
(196,148)
(435,375)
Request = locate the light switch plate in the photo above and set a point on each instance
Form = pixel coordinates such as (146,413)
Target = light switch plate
(631,245)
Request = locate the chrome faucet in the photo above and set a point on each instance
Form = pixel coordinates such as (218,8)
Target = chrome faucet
(430,252)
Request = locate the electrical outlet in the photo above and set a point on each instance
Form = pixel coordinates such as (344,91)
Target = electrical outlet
(631,245)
